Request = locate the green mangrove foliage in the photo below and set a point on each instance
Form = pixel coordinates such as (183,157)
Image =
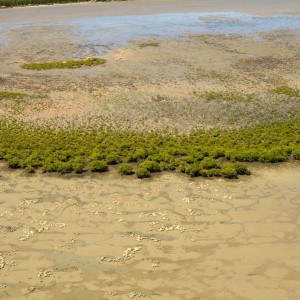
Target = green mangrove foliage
(199,153)
(126,169)
(12,3)
(70,64)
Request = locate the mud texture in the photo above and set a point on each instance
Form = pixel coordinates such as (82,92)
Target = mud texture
(107,237)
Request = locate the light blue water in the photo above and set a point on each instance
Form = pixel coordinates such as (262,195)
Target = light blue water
(115,31)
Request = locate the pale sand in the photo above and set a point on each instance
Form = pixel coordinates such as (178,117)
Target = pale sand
(110,237)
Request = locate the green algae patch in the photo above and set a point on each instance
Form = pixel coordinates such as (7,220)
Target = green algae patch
(70,64)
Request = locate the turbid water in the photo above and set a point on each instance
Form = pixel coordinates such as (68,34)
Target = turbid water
(171,237)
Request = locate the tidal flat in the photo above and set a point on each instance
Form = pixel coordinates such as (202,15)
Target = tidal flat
(201,94)
(169,237)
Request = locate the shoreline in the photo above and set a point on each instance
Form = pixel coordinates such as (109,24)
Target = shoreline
(74,11)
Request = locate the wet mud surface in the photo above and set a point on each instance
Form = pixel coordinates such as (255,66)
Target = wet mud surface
(171,237)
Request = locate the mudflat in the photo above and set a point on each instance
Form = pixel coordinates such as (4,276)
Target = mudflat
(170,237)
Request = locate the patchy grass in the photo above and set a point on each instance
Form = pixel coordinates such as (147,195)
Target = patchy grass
(287,91)
(70,64)
(149,44)
(12,96)
(225,96)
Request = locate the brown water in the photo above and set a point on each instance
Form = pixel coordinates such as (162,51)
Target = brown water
(171,237)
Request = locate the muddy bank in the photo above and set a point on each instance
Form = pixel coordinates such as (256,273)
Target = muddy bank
(107,237)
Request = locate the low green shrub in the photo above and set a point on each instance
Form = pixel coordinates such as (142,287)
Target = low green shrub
(193,170)
(272,156)
(210,172)
(210,163)
(229,171)
(126,169)
(142,173)
(241,169)
(151,166)
(98,166)
(113,159)
(296,154)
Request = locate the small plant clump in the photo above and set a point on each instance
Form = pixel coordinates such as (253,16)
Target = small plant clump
(70,64)
(126,169)
(98,166)
(142,173)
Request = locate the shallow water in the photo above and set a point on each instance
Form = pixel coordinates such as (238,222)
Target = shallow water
(118,30)
(115,31)
(170,237)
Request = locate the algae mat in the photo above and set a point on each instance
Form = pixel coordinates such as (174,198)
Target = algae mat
(171,237)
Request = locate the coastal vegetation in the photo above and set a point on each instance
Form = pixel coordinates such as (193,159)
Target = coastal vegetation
(12,3)
(205,153)
(70,64)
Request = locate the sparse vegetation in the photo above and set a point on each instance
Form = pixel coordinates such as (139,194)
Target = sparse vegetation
(149,44)
(12,3)
(11,95)
(286,90)
(225,96)
(70,64)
